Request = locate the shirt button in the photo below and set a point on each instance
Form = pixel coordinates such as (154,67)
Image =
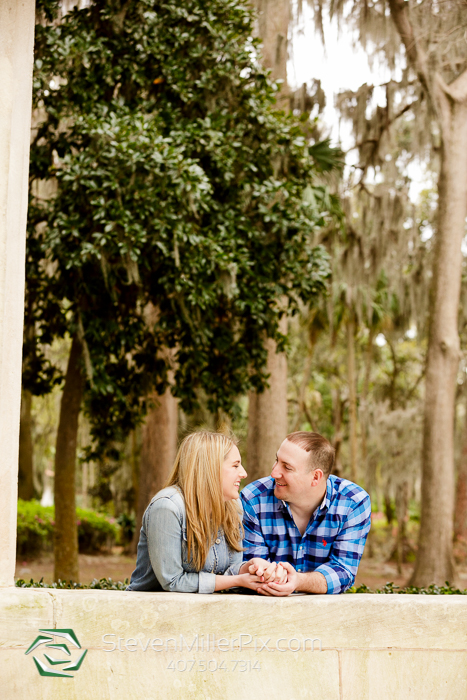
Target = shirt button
(218,541)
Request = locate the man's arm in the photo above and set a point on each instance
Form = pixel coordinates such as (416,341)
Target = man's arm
(347,549)
(338,574)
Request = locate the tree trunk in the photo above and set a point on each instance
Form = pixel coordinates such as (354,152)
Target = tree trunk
(434,563)
(352,380)
(26,452)
(158,452)
(388,508)
(135,467)
(460,513)
(367,471)
(302,409)
(267,417)
(402,510)
(66,531)
(272,27)
(267,412)
(337,410)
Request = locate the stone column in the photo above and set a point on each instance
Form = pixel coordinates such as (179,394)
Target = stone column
(16,60)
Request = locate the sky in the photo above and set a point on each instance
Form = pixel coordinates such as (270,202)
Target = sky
(340,65)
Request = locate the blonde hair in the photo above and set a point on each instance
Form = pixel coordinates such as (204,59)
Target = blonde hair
(198,474)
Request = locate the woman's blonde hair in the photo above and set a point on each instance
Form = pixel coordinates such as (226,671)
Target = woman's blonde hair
(198,474)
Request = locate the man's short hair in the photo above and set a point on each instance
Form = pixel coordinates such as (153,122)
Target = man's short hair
(322,453)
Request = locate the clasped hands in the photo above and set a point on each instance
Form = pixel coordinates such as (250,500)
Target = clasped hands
(270,578)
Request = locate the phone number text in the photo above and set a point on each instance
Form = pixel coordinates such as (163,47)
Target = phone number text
(212,665)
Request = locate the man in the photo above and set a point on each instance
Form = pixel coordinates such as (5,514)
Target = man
(312,522)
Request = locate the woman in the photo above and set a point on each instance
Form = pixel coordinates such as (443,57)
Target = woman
(191,535)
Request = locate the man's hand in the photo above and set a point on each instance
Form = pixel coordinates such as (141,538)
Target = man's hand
(282,587)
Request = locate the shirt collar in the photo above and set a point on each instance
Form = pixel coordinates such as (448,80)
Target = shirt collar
(325,503)
(328,495)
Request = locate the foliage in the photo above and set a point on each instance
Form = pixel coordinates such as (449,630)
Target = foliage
(35,526)
(127,523)
(103,584)
(390,588)
(178,218)
(35,529)
(109,585)
(96,533)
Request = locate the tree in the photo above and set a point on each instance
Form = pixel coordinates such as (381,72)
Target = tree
(267,410)
(178,188)
(434,87)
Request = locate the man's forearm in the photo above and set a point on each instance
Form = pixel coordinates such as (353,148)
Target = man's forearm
(312,582)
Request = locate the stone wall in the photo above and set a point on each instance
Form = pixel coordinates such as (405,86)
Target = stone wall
(351,647)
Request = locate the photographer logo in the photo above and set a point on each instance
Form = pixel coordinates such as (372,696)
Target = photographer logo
(58,642)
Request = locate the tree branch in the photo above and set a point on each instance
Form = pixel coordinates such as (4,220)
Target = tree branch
(457,90)
(415,55)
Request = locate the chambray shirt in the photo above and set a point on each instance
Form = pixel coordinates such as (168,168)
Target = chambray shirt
(162,562)
(333,541)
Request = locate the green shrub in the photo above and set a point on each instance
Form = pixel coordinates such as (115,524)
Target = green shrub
(109,585)
(96,533)
(127,525)
(391,588)
(35,530)
(104,584)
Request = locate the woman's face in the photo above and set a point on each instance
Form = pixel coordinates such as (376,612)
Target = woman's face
(232,474)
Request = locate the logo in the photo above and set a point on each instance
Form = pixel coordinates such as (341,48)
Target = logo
(65,638)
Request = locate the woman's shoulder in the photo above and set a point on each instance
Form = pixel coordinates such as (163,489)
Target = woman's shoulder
(170,497)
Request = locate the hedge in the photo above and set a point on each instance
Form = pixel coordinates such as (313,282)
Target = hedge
(109,585)
(35,530)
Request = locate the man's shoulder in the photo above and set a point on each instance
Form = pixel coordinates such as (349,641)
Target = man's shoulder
(345,490)
(261,489)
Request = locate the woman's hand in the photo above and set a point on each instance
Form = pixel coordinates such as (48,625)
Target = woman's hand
(259,567)
(249,581)
(268,572)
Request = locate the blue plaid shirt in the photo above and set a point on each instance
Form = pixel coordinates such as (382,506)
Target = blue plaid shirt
(334,538)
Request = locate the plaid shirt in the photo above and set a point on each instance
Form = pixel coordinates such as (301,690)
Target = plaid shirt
(334,538)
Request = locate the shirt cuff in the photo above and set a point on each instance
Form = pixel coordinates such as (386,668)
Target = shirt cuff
(335,585)
(206,582)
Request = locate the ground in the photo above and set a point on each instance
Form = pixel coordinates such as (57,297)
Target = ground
(118,567)
(376,567)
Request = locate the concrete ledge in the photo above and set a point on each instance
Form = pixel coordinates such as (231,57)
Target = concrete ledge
(372,646)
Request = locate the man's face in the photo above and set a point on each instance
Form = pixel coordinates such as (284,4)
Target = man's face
(290,471)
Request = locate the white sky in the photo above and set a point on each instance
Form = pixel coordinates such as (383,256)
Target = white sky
(339,65)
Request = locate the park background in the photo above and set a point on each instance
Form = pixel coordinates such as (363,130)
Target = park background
(209,248)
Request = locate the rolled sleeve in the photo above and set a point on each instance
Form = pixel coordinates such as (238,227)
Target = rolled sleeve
(347,549)
(207,582)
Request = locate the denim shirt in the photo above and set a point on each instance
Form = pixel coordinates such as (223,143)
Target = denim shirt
(162,560)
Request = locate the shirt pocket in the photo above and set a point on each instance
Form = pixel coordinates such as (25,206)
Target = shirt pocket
(188,565)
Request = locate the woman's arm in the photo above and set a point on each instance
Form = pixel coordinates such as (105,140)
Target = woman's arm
(164,534)
(243,580)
